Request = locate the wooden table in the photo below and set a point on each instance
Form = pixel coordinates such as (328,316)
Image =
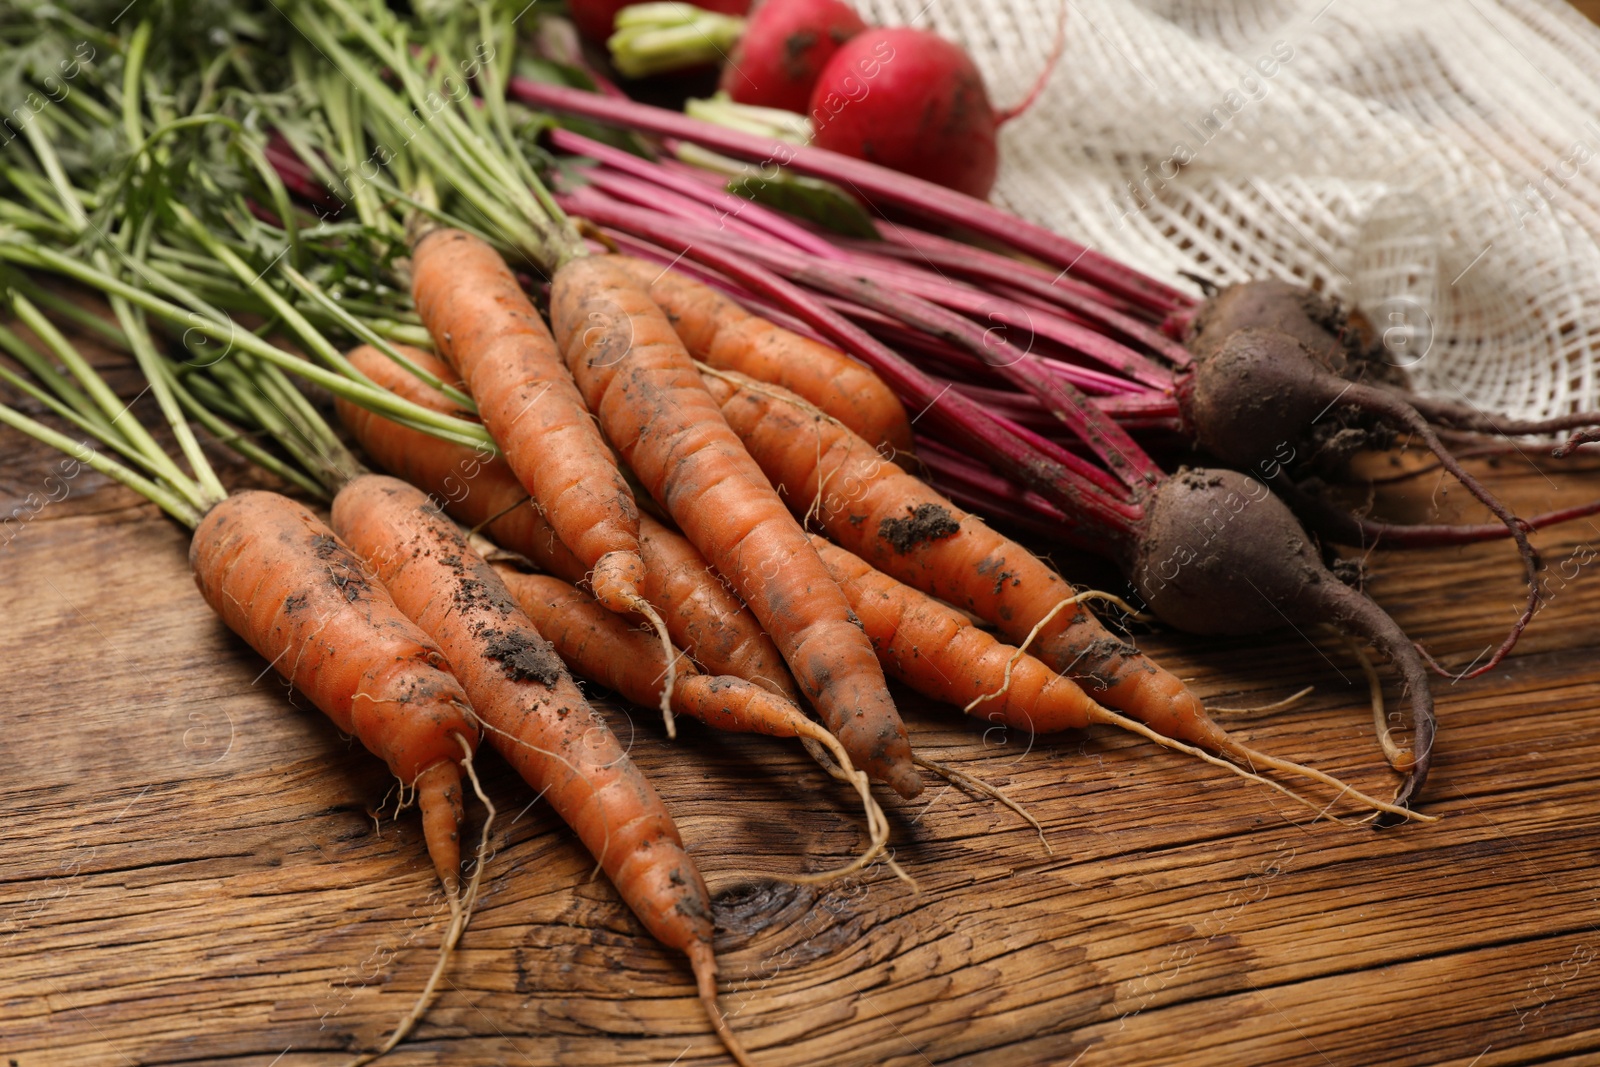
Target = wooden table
(191,870)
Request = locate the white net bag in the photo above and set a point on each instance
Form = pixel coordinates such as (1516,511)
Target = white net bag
(1436,165)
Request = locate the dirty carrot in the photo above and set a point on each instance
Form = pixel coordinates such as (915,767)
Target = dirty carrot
(938,652)
(535,715)
(281,580)
(601,647)
(484,325)
(907,530)
(703,617)
(717,331)
(636,376)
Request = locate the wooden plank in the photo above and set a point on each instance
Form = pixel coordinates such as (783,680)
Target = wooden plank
(191,872)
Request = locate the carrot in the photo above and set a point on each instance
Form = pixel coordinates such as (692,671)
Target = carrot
(717,331)
(703,616)
(484,324)
(276,574)
(486,327)
(535,715)
(601,647)
(938,652)
(281,580)
(907,530)
(637,378)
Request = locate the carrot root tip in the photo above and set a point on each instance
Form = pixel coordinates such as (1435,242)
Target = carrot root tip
(904,779)
(704,965)
(616,580)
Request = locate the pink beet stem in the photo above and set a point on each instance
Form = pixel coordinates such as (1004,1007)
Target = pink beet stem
(986,434)
(997,308)
(942,253)
(630,190)
(892,330)
(874,184)
(901,233)
(757,215)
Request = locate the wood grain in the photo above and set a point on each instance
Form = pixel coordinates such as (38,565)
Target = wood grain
(192,872)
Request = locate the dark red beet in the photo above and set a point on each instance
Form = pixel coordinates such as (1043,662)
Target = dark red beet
(911,101)
(1220,554)
(1310,318)
(595,19)
(1261,397)
(785,45)
(1343,346)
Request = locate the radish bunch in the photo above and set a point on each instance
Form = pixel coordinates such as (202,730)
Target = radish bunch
(903,98)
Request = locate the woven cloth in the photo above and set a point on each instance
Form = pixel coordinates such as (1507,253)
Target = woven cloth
(1437,165)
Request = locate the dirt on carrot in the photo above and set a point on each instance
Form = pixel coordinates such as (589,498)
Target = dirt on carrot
(702,615)
(534,713)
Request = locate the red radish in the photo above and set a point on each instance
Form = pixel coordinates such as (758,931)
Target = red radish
(911,101)
(596,19)
(786,44)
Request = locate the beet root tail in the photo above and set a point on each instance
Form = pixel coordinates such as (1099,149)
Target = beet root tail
(1220,554)
(1355,612)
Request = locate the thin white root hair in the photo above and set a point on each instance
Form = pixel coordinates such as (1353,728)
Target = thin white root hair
(824,746)
(477,531)
(670,654)
(1253,757)
(1106,715)
(520,743)
(1399,756)
(460,915)
(978,785)
(1111,598)
(1276,705)
(774,392)
(824,760)
(1021,650)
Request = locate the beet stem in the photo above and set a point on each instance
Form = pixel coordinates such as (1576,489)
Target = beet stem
(990,267)
(1461,417)
(737,207)
(871,182)
(991,436)
(1347,528)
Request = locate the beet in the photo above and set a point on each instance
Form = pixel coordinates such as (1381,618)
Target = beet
(1218,553)
(1262,393)
(1261,398)
(1307,316)
(911,101)
(785,45)
(1345,346)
